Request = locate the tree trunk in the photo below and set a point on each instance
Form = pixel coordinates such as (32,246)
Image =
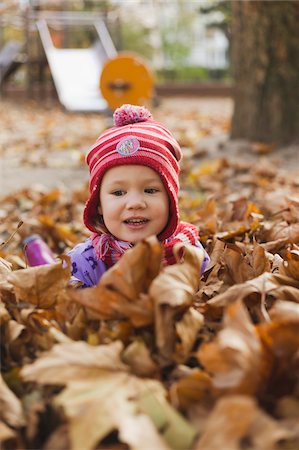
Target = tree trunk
(265,59)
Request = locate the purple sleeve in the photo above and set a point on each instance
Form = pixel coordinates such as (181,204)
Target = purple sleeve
(86,267)
(206,258)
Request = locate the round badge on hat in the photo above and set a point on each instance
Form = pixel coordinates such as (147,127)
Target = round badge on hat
(128,146)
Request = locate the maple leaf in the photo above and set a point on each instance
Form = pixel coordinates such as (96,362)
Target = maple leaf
(101,395)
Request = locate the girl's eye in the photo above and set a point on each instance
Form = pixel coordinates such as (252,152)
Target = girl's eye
(151,190)
(118,193)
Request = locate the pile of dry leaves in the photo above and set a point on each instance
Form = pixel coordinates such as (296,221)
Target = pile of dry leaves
(157,358)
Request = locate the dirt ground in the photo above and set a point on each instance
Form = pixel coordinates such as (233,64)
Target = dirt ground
(45,146)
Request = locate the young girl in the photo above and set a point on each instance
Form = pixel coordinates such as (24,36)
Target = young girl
(133,194)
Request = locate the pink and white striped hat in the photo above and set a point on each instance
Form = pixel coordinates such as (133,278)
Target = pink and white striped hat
(135,139)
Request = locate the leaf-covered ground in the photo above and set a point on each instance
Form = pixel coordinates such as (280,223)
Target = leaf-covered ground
(151,358)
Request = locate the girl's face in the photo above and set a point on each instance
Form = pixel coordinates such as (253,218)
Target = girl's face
(133,202)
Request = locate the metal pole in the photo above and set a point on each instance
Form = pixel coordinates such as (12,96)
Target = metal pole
(27,23)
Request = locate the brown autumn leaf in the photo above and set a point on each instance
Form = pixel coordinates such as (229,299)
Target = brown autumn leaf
(137,356)
(195,387)
(276,285)
(112,330)
(10,406)
(238,267)
(59,439)
(262,148)
(5,266)
(284,310)
(138,430)
(4,314)
(206,217)
(259,261)
(74,361)
(283,230)
(236,419)
(101,395)
(187,331)
(291,212)
(58,230)
(36,319)
(216,253)
(14,330)
(213,285)
(290,267)
(236,358)
(173,291)
(287,408)
(237,231)
(280,337)
(41,285)
(136,270)
(34,405)
(121,291)
(242,209)
(9,438)
(115,399)
(274,246)
(20,337)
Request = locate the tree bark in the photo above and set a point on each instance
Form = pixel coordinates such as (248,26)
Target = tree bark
(265,60)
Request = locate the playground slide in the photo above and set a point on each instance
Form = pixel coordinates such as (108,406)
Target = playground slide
(8,59)
(76,72)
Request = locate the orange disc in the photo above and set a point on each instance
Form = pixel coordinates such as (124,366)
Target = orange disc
(126,79)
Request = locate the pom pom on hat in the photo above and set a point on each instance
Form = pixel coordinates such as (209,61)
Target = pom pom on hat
(129,114)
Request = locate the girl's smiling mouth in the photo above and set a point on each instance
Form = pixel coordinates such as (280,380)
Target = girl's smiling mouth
(136,222)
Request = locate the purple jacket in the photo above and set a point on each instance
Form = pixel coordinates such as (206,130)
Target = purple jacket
(86,267)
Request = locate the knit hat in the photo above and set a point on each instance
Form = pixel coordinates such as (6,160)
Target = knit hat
(135,139)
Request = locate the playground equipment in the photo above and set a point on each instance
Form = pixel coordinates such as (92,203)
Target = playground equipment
(86,79)
(76,71)
(126,79)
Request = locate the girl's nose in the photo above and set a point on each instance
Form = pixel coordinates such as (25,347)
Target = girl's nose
(136,201)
